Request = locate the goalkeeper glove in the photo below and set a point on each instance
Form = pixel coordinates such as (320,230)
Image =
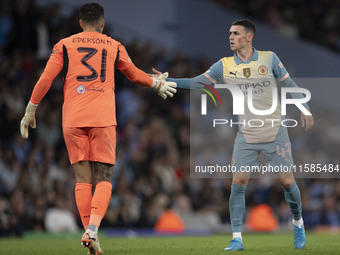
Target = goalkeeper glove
(28,119)
(162,87)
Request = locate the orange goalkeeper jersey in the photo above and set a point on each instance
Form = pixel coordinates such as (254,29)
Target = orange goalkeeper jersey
(87,60)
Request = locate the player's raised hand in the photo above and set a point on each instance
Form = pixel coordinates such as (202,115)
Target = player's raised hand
(307,121)
(158,74)
(28,119)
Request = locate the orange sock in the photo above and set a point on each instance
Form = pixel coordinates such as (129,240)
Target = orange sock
(100,202)
(83,192)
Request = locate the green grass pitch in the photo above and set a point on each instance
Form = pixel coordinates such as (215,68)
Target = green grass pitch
(276,243)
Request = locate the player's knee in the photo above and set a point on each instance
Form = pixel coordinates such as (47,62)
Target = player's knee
(83,179)
(103,172)
(240,181)
(287,182)
(83,172)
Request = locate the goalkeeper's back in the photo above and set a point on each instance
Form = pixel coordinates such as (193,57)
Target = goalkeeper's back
(88,61)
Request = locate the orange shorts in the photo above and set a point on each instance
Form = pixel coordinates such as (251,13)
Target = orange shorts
(91,143)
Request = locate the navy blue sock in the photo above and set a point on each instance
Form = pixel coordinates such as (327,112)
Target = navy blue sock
(237,206)
(293,198)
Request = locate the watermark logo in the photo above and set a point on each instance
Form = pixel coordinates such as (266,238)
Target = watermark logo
(239,99)
(204,97)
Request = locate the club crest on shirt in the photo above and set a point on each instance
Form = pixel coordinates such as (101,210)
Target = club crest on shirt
(81,89)
(263,70)
(246,72)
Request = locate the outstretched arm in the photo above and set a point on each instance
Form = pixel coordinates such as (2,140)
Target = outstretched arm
(193,83)
(210,77)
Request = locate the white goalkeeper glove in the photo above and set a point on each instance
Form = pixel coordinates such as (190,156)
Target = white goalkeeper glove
(162,87)
(28,119)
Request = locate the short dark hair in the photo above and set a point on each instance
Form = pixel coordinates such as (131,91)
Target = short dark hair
(91,13)
(248,25)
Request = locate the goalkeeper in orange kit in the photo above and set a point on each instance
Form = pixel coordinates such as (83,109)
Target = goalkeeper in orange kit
(88,60)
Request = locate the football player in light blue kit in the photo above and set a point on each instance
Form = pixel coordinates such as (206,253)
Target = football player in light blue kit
(263,68)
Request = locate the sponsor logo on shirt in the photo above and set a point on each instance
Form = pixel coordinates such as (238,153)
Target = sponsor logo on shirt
(93,88)
(233,73)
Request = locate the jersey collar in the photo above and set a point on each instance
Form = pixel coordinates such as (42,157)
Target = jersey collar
(238,61)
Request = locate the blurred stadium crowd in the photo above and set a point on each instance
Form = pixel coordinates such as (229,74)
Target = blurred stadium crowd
(317,21)
(152,171)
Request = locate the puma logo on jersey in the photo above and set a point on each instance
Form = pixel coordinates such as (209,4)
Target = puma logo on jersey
(233,73)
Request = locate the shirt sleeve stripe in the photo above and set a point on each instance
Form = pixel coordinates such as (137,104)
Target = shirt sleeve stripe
(209,78)
(284,77)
